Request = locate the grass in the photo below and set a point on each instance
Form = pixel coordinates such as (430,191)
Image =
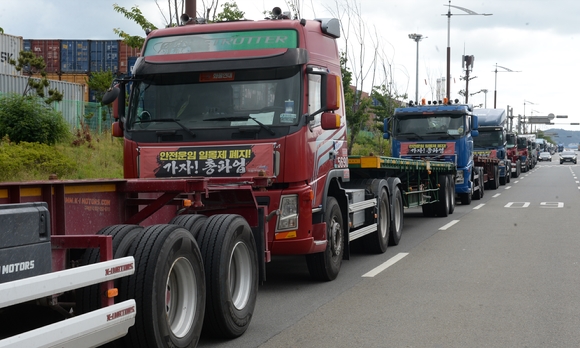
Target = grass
(89,156)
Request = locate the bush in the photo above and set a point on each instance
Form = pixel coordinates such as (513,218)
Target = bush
(26,161)
(27,118)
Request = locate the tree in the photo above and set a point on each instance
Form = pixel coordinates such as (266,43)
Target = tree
(30,64)
(230,12)
(136,16)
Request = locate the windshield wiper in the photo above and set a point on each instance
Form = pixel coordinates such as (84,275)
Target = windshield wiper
(170,120)
(411,133)
(242,118)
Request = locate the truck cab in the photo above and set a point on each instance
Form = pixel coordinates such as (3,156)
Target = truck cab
(492,140)
(440,132)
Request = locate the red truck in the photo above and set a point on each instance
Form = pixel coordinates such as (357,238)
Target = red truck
(234,140)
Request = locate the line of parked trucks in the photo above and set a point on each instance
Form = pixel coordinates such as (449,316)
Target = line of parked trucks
(234,152)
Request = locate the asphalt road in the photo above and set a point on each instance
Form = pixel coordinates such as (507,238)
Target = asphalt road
(501,272)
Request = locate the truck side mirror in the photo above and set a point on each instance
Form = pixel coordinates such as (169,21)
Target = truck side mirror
(331,92)
(117,129)
(111,95)
(386,133)
(474,122)
(329,120)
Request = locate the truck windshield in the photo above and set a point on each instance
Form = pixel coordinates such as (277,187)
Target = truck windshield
(259,98)
(485,139)
(415,127)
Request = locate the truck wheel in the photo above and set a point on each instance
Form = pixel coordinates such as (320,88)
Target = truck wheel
(442,207)
(398,214)
(168,287)
(378,241)
(466,197)
(451,188)
(326,265)
(231,268)
(191,222)
(89,298)
(495,183)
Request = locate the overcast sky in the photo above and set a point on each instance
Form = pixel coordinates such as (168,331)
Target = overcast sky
(537,39)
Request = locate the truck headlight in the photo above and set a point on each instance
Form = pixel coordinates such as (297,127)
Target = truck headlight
(288,218)
(459,177)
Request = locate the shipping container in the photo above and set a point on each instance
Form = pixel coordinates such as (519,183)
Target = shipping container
(125,53)
(73,95)
(104,55)
(10,47)
(74,56)
(77,78)
(49,50)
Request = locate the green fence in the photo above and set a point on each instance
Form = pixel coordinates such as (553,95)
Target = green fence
(83,114)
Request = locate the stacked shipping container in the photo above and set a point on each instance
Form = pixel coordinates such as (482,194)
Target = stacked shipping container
(75,60)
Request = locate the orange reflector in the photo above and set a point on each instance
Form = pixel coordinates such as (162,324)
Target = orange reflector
(112,292)
(286,235)
(187,202)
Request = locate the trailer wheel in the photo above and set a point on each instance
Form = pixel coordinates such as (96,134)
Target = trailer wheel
(398,213)
(231,267)
(325,266)
(451,188)
(378,241)
(442,208)
(168,287)
(89,298)
(191,222)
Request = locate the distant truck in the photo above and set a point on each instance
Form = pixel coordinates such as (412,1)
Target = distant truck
(491,141)
(513,154)
(444,132)
(524,148)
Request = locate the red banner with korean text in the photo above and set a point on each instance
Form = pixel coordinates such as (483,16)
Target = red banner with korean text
(206,161)
(447,148)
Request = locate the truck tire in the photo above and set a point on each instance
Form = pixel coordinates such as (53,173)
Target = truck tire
(168,287)
(89,298)
(397,218)
(191,222)
(230,260)
(478,194)
(378,241)
(451,188)
(442,207)
(325,266)
(516,174)
(466,197)
(494,184)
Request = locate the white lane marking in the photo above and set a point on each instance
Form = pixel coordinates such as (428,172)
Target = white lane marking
(508,187)
(443,228)
(496,195)
(385,265)
(516,181)
(479,206)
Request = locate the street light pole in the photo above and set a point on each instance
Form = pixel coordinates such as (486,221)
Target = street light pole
(495,90)
(529,102)
(449,14)
(416,38)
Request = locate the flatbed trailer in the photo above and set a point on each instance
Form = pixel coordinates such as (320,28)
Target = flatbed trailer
(421,182)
